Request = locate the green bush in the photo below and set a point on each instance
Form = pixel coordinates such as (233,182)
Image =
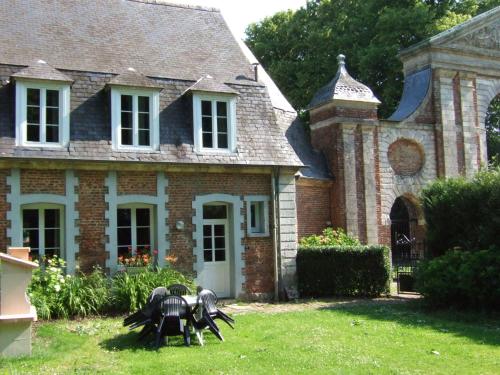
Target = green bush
(463,213)
(330,237)
(461,279)
(129,292)
(343,271)
(56,295)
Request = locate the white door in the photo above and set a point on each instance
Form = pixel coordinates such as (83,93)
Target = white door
(216,271)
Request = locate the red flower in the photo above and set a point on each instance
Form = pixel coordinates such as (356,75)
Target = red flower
(155,252)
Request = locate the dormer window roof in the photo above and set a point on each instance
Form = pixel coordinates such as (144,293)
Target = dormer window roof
(132,78)
(40,70)
(210,85)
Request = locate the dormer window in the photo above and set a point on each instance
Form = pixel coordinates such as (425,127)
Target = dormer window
(214,122)
(135,118)
(42,114)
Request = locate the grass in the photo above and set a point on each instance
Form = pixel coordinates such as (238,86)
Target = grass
(359,338)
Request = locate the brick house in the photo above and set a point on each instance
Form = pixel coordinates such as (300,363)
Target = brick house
(134,123)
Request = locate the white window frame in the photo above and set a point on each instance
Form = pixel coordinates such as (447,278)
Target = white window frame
(41,224)
(22,87)
(154,118)
(133,224)
(264,201)
(230,101)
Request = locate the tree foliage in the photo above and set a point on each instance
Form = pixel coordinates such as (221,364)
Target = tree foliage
(493,130)
(299,48)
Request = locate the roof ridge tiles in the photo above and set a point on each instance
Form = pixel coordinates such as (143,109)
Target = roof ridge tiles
(177,5)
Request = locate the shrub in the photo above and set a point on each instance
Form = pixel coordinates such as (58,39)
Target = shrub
(129,292)
(330,237)
(56,295)
(343,271)
(462,213)
(461,279)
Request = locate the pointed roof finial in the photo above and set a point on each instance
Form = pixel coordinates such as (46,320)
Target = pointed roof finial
(341,61)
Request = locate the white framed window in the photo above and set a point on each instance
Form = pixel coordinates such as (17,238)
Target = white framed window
(257,215)
(214,118)
(135,118)
(135,228)
(43,230)
(42,113)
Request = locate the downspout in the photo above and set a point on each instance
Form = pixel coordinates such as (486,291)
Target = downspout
(276,233)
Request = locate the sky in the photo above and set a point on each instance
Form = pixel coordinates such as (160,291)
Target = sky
(240,13)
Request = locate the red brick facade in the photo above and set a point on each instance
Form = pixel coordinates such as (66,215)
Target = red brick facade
(313,206)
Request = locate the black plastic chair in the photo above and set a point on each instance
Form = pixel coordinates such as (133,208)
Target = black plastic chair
(209,302)
(173,310)
(178,290)
(149,315)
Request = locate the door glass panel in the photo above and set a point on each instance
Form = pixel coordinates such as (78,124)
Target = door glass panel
(207,255)
(207,243)
(219,230)
(220,255)
(220,242)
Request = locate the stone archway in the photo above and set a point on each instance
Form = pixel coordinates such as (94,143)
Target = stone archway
(492,126)
(407,230)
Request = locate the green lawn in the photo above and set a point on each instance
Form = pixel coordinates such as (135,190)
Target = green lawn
(366,337)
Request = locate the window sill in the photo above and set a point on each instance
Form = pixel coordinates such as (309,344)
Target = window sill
(258,235)
(42,145)
(136,149)
(210,151)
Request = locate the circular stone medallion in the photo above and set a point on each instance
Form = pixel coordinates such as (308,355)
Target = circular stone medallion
(406,157)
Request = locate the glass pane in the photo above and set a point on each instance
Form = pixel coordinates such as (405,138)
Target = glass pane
(206,124)
(52,238)
(219,230)
(49,253)
(52,133)
(126,120)
(52,116)
(143,103)
(143,237)
(207,255)
(126,102)
(34,254)
(253,210)
(206,108)
(33,96)
(207,243)
(32,236)
(207,140)
(222,140)
(126,136)
(220,243)
(124,236)
(142,217)
(214,212)
(122,251)
(143,120)
(123,217)
(52,218)
(220,255)
(207,230)
(30,218)
(33,115)
(52,98)
(143,137)
(33,133)
(221,125)
(221,109)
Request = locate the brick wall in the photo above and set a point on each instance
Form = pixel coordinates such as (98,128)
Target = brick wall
(182,189)
(330,112)
(313,206)
(92,207)
(136,183)
(42,182)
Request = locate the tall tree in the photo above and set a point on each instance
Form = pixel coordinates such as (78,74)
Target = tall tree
(299,48)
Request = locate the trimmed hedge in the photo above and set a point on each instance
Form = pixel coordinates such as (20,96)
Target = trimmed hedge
(461,279)
(343,271)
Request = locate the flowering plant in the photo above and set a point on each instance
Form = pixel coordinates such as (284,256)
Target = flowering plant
(141,257)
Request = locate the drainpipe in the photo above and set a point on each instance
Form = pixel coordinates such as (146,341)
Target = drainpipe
(276,234)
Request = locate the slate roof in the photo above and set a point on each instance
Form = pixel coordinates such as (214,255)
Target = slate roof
(41,70)
(156,38)
(342,87)
(415,90)
(172,46)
